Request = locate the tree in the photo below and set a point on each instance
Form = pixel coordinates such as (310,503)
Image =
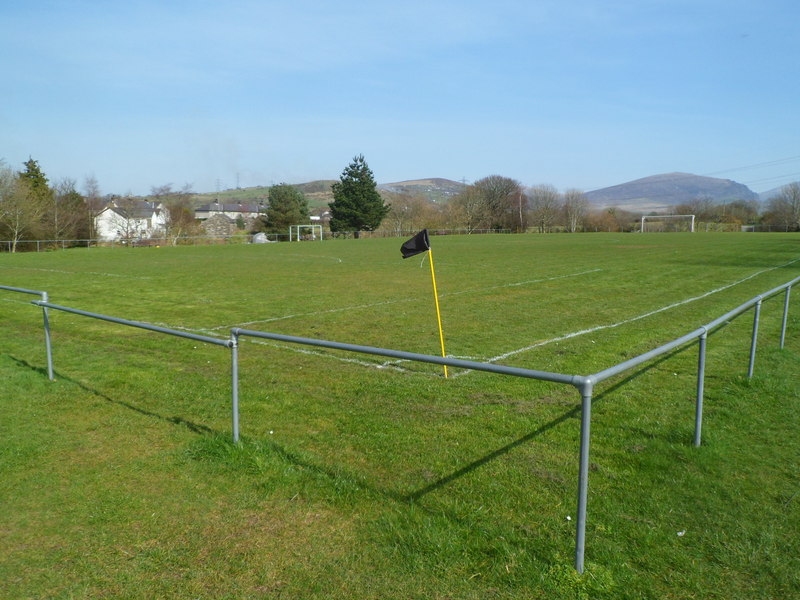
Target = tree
(94,202)
(467,209)
(576,208)
(411,213)
(784,209)
(69,217)
(179,210)
(545,204)
(742,211)
(38,189)
(505,206)
(287,206)
(24,198)
(357,205)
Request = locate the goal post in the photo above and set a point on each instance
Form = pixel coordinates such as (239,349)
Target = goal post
(671,220)
(294,232)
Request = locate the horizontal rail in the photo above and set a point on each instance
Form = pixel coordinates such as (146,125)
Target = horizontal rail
(21,290)
(642,358)
(192,336)
(705,329)
(583,383)
(574,380)
(750,303)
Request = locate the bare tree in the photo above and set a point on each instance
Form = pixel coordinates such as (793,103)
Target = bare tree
(742,211)
(504,203)
(69,216)
(411,213)
(21,210)
(545,204)
(467,209)
(576,209)
(180,212)
(784,209)
(94,202)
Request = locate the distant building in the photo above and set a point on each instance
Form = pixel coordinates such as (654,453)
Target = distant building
(129,219)
(232,210)
(218,225)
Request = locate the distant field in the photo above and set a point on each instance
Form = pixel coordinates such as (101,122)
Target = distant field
(362,478)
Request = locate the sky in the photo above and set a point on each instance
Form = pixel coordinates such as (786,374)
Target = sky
(573,93)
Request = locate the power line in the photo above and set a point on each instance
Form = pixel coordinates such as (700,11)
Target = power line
(770,163)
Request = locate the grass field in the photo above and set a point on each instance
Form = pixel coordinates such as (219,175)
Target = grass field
(361,478)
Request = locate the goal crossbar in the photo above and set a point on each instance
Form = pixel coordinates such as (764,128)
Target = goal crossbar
(662,217)
(294,231)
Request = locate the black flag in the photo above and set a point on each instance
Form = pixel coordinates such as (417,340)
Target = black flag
(416,245)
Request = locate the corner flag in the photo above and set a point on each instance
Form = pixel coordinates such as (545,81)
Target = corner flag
(417,245)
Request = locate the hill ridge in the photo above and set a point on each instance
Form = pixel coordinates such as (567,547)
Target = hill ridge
(665,190)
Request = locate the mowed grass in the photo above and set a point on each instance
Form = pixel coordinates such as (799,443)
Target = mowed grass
(358,477)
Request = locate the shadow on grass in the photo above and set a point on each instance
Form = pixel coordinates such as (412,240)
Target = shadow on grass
(572,413)
(191,426)
(339,474)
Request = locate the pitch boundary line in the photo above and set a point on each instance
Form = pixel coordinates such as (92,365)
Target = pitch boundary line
(413,299)
(395,364)
(626,321)
(75,272)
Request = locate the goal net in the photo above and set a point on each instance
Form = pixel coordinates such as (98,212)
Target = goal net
(667,223)
(308,232)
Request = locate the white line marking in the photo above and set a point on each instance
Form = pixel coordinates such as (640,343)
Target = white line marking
(519,283)
(413,299)
(314,256)
(313,314)
(626,321)
(389,364)
(75,272)
(394,364)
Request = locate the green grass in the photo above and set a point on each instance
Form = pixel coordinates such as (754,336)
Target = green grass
(352,481)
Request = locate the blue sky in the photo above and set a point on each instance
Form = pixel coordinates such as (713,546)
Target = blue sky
(574,93)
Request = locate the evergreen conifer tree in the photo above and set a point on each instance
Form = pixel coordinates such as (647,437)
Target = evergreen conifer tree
(36,181)
(287,206)
(357,205)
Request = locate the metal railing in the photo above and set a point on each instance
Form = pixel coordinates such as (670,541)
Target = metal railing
(46,320)
(584,384)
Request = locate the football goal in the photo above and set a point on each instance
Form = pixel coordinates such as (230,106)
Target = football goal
(667,223)
(294,232)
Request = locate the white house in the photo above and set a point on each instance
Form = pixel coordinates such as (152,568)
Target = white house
(129,219)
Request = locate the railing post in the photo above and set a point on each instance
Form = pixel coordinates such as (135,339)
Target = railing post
(47,343)
(785,315)
(701,375)
(234,345)
(756,315)
(583,473)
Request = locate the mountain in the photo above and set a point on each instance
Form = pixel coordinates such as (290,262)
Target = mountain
(655,193)
(319,192)
(769,194)
(435,189)
(662,192)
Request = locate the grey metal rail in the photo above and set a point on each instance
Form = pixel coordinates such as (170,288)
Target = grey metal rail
(427,358)
(22,290)
(46,322)
(184,334)
(585,384)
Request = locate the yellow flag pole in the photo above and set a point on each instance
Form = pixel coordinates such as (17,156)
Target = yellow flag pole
(438,314)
